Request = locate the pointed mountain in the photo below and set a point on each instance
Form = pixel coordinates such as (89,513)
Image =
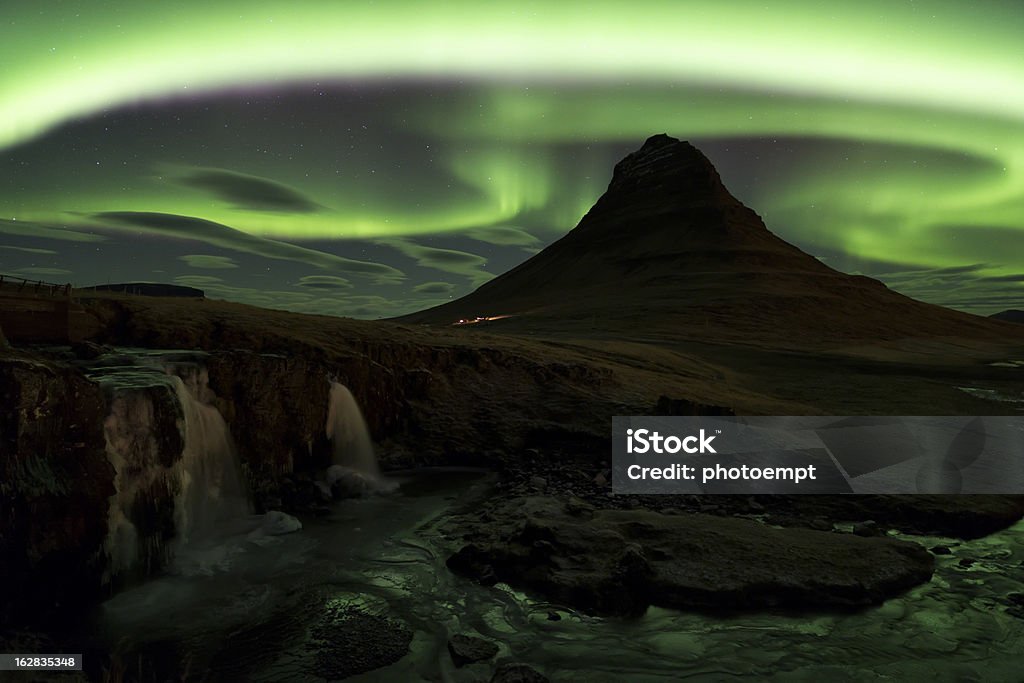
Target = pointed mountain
(668,253)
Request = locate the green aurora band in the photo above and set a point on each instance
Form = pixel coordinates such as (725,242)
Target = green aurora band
(921,106)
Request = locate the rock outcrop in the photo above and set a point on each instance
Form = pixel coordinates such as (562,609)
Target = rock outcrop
(55,482)
(470,649)
(621,561)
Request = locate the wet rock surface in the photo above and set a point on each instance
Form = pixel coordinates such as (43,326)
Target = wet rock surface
(277,408)
(1015,604)
(517,673)
(622,561)
(466,649)
(349,641)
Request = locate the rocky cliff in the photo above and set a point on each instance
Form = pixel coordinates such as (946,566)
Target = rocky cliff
(55,482)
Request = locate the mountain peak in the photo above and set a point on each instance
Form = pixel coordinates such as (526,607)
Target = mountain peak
(668,253)
(661,140)
(668,167)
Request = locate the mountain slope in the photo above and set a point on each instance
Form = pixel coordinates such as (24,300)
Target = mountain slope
(1011,315)
(668,252)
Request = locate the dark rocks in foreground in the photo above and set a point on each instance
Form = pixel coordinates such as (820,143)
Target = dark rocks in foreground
(517,673)
(619,562)
(1015,604)
(957,516)
(55,488)
(349,641)
(966,516)
(470,649)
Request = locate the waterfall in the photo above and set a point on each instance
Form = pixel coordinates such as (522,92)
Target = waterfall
(209,472)
(349,436)
(177,476)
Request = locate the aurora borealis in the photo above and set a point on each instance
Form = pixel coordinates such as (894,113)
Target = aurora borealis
(375,159)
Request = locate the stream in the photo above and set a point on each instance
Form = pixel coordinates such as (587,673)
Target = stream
(251,606)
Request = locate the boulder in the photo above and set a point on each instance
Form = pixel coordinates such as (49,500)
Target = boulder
(517,673)
(349,641)
(469,649)
(619,562)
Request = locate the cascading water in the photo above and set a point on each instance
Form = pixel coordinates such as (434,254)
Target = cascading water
(211,489)
(349,436)
(177,477)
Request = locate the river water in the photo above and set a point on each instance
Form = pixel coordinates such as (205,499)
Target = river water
(245,608)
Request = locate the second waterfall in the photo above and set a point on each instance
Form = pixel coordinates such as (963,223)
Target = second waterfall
(350,438)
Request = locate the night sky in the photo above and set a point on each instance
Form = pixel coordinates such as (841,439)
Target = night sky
(372,159)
